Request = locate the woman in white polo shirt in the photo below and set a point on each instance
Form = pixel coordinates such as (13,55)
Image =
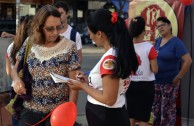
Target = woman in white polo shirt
(108,80)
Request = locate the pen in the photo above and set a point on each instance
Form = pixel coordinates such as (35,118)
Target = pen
(87,73)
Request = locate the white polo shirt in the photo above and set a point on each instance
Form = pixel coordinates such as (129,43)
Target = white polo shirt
(103,67)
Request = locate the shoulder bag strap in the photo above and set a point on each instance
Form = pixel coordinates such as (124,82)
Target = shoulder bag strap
(27,50)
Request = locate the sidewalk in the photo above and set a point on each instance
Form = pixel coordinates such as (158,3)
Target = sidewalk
(81,119)
(91,49)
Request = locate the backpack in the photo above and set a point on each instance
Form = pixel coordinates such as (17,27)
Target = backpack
(73,35)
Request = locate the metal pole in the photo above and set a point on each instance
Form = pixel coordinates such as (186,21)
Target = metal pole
(17,13)
(189,93)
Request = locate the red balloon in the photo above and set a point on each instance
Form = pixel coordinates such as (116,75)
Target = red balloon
(186,2)
(64,115)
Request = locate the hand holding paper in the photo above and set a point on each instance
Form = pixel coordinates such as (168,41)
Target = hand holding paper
(58,78)
(73,84)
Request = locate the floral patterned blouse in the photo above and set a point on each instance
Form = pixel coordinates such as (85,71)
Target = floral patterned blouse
(59,59)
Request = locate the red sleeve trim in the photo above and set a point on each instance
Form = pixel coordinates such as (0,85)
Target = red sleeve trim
(6,56)
(107,65)
(153,54)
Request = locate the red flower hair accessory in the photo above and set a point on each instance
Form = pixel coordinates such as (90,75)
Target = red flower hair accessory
(114,18)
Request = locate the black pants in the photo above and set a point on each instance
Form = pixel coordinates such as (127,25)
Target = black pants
(140,96)
(102,116)
(30,117)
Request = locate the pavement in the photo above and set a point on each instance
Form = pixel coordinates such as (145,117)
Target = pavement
(81,119)
(91,56)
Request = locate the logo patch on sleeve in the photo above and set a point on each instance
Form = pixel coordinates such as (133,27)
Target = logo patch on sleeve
(109,64)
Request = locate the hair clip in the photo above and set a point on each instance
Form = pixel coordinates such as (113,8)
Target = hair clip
(114,18)
(134,20)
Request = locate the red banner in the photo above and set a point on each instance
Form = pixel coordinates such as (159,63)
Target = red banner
(178,8)
(152,9)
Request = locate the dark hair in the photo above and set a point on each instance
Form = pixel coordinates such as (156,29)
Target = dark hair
(21,35)
(164,19)
(119,38)
(63,5)
(137,26)
(36,31)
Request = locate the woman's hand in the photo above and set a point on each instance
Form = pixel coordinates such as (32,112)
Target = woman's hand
(7,35)
(176,81)
(19,87)
(81,77)
(75,84)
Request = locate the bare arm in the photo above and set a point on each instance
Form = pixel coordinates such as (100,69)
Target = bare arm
(8,67)
(7,35)
(106,96)
(80,55)
(18,85)
(73,93)
(154,66)
(184,68)
(186,64)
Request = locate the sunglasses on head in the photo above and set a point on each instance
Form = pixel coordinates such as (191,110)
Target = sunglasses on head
(52,28)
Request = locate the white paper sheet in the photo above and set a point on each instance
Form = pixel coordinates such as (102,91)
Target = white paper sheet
(58,78)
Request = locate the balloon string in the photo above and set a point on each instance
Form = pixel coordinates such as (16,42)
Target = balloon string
(44,117)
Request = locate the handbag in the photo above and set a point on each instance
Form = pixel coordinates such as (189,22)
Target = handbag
(16,103)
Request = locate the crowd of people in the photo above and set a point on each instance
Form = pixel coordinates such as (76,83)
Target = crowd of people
(148,75)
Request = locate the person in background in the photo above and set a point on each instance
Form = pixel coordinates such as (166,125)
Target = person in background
(171,54)
(68,32)
(14,47)
(7,35)
(108,80)
(140,94)
(49,53)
